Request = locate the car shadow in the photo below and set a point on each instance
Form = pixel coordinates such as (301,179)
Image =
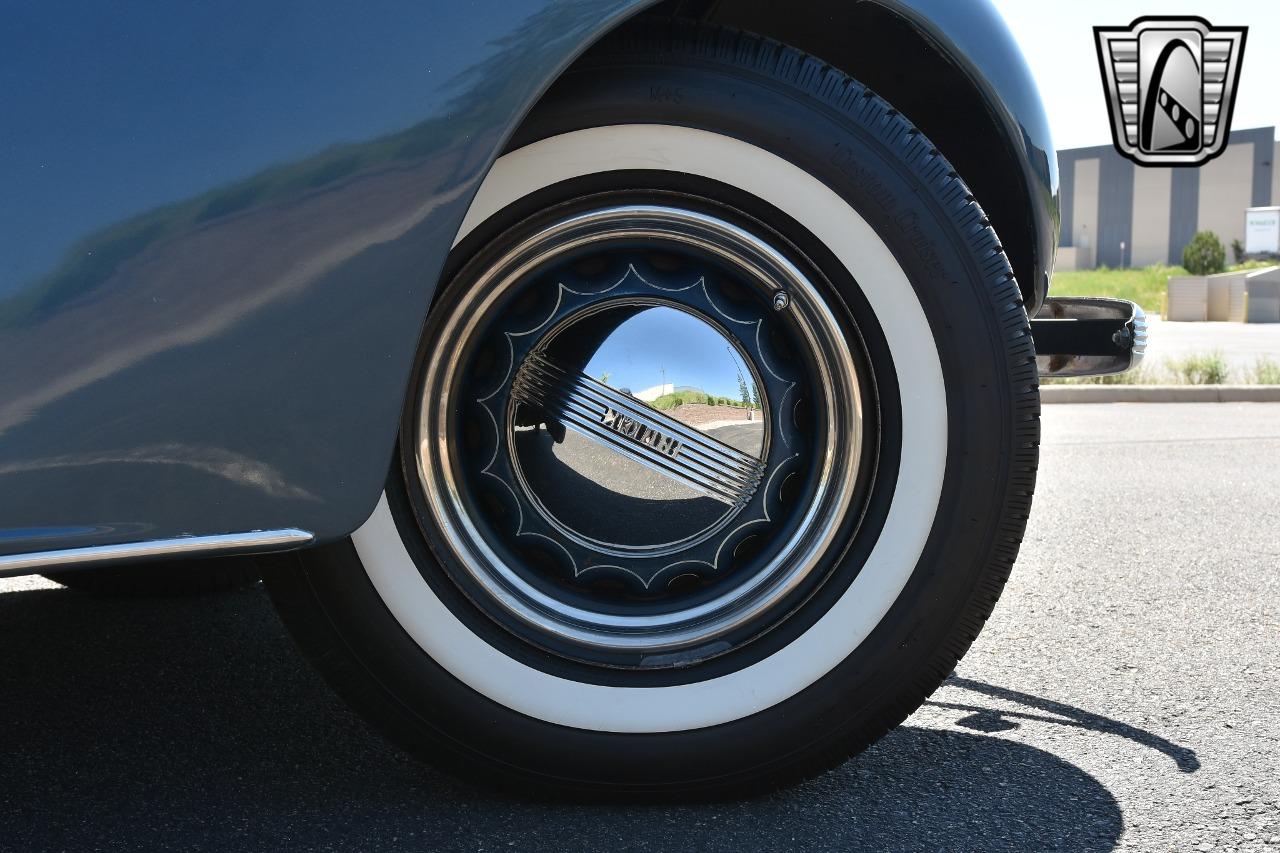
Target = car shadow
(193,724)
(998,720)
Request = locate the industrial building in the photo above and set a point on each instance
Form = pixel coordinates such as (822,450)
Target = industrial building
(1118,214)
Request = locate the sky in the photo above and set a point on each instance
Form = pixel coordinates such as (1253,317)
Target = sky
(665,346)
(1057,39)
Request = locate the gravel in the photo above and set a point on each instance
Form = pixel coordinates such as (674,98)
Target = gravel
(1125,694)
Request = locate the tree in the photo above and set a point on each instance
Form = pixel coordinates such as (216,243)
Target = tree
(1204,255)
(1237,250)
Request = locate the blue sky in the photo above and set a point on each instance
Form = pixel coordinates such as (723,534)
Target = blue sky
(1057,39)
(664,339)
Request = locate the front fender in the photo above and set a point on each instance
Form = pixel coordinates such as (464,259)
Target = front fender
(975,38)
(220,231)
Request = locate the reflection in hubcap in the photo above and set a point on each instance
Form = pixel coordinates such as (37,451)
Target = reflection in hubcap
(638,468)
(638,430)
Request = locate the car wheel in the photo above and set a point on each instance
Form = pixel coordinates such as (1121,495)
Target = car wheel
(720,443)
(164,578)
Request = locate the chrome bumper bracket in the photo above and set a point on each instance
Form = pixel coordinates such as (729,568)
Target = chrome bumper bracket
(1088,336)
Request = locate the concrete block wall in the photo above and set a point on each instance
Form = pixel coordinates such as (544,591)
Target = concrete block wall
(1246,296)
(1263,295)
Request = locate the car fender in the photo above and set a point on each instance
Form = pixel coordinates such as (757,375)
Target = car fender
(222,230)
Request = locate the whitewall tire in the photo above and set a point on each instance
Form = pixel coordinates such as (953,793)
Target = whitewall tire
(574,582)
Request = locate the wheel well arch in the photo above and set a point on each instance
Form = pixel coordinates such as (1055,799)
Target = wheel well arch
(888,52)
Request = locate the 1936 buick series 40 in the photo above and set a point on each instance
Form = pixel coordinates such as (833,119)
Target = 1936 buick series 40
(613,395)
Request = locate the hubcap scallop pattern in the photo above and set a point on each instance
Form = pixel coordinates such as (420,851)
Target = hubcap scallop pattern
(599,517)
(682,453)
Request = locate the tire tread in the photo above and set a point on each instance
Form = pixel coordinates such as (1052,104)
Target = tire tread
(840,92)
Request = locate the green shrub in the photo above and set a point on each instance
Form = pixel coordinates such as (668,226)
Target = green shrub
(1237,250)
(1201,368)
(668,401)
(1204,255)
(684,398)
(1266,372)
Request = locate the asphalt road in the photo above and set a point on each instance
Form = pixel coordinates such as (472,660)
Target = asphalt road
(1125,694)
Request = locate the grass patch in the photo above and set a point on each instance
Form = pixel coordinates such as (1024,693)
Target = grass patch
(1144,286)
(1251,265)
(1201,368)
(681,398)
(1266,372)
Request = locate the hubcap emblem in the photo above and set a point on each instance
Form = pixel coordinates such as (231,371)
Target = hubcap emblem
(633,429)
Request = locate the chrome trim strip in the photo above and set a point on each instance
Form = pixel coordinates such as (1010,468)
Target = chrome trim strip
(182,546)
(699,461)
(585,388)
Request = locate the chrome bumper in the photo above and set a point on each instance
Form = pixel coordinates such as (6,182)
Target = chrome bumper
(1088,336)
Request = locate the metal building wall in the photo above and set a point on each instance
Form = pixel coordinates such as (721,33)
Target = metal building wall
(1152,197)
(1115,212)
(1226,189)
(1156,211)
(1275,176)
(1084,221)
(1184,206)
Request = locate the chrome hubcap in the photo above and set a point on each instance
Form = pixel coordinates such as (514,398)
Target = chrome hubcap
(650,469)
(639,429)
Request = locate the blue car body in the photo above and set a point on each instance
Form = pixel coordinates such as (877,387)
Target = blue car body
(221,227)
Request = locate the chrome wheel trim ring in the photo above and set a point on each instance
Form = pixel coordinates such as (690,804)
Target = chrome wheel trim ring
(743,604)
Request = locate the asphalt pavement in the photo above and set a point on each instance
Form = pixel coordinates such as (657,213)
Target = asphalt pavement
(1124,694)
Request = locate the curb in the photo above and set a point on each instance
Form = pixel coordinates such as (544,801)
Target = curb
(1160,393)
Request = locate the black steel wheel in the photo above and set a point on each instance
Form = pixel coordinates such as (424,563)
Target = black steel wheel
(638,432)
